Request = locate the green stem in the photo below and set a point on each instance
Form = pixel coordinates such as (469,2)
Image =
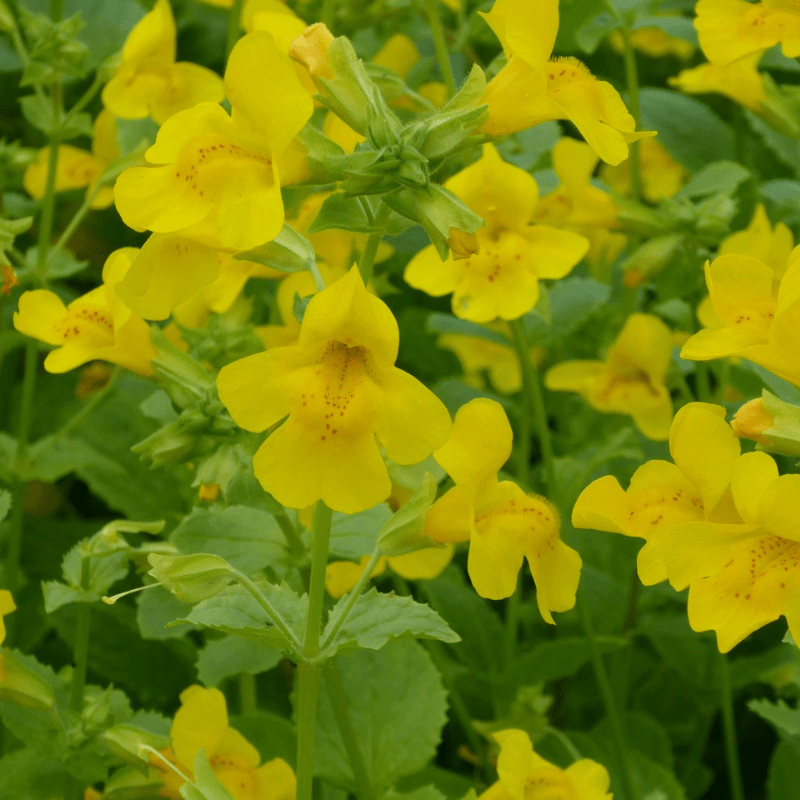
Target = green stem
(56,10)
(440,45)
(355,593)
(339,703)
(604,685)
(296,547)
(86,409)
(272,612)
(14,539)
(512,621)
(248,693)
(73,223)
(367,260)
(702,382)
(85,98)
(326,15)
(632,78)
(49,200)
(566,743)
(533,407)
(729,729)
(234,26)
(308,672)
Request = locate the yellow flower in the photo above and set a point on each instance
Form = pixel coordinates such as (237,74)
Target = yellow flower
(499,360)
(217,178)
(662,494)
(740,80)
(525,775)
(630,380)
(343,395)
(533,88)
(77,168)
(502,524)
(661,175)
(752,420)
(149,82)
(502,279)
(6,607)
(731,29)
(202,722)
(97,325)
(755,324)
(578,205)
(654,42)
(424,564)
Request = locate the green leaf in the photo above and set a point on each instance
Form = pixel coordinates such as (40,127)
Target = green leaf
(405,531)
(10,229)
(721,176)
(156,609)
(38,110)
(289,251)
(783,717)
(5,503)
(232,655)
(377,619)
(783,782)
(248,538)
(206,784)
(688,129)
(31,773)
(353,214)
(271,735)
(355,535)
(133,134)
(234,610)
(429,792)
(594,30)
(675,26)
(447,323)
(397,704)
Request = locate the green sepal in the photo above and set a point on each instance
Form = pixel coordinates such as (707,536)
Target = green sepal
(784,436)
(129,783)
(55,52)
(191,579)
(185,379)
(206,784)
(125,741)
(655,254)
(405,531)
(357,214)
(24,686)
(289,251)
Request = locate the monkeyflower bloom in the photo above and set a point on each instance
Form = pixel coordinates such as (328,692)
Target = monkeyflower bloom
(216,178)
(524,775)
(654,42)
(202,722)
(740,80)
(754,322)
(660,174)
(344,399)
(577,205)
(662,494)
(6,607)
(502,278)
(420,565)
(97,325)
(502,524)
(630,380)
(732,29)
(77,168)
(149,82)
(533,88)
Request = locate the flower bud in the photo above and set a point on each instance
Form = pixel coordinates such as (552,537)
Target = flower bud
(310,48)
(191,578)
(22,686)
(752,420)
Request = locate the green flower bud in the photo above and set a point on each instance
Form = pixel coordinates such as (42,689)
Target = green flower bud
(191,578)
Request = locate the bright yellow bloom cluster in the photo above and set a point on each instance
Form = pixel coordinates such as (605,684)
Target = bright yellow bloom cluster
(533,87)
(502,524)
(6,607)
(202,722)
(502,278)
(630,380)
(524,775)
(723,524)
(149,82)
(77,168)
(97,325)
(343,395)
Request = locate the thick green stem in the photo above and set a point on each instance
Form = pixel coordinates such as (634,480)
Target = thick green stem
(610,703)
(326,15)
(234,26)
(533,407)
(632,79)
(367,260)
(14,540)
(440,45)
(729,730)
(308,672)
(49,199)
(339,703)
(248,693)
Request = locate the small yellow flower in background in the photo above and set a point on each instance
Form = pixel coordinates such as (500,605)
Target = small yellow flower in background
(661,175)
(663,494)
(731,29)
(503,525)
(654,42)
(6,607)
(754,322)
(214,177)
(740,80)
(149,82)
(524,775)
(502,279)
(97,325)
(477,354)
(579,206)
(630,380)
(533,88)
(202,722)
(343,395)
(77,168)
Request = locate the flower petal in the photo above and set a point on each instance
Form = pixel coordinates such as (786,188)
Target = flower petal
(200,722)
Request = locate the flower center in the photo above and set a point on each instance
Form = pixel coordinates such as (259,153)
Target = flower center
(561,72)
(91,322)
